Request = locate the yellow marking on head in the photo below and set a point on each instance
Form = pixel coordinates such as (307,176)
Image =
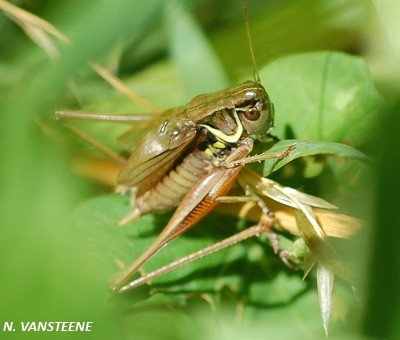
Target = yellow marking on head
(224,137)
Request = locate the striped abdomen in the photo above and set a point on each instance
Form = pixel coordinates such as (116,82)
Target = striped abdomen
(169,192)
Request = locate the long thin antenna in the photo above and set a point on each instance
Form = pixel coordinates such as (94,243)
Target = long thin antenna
(246,22)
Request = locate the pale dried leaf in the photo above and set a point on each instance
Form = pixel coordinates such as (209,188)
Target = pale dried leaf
(36,28)
(325,280)
(41,38)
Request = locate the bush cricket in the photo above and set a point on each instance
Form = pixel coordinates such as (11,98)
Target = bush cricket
(190,157)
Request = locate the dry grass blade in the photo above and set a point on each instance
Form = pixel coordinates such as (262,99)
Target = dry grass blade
(98,145)
(41,38)
(120,86)
(36,28)
(333,224)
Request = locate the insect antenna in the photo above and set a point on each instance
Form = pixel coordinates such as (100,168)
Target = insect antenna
(247,24)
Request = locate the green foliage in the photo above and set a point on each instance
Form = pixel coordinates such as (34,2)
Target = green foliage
(321,95)
(59,242)
(303,148)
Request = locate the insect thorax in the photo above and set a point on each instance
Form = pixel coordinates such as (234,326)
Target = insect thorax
(207,154)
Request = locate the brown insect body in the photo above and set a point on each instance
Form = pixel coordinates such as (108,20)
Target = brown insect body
(197,203)
(177,151)
(184,160)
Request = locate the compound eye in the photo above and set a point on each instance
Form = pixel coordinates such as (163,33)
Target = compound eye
(252,114)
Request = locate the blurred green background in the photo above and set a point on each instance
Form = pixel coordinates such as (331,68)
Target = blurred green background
(47,273)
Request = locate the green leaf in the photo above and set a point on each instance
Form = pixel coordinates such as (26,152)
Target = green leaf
(247,270)
(299,148)
(96,220)
(322,96)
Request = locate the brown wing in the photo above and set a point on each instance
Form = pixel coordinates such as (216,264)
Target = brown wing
(135,135)
(154,156)
(131,138)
